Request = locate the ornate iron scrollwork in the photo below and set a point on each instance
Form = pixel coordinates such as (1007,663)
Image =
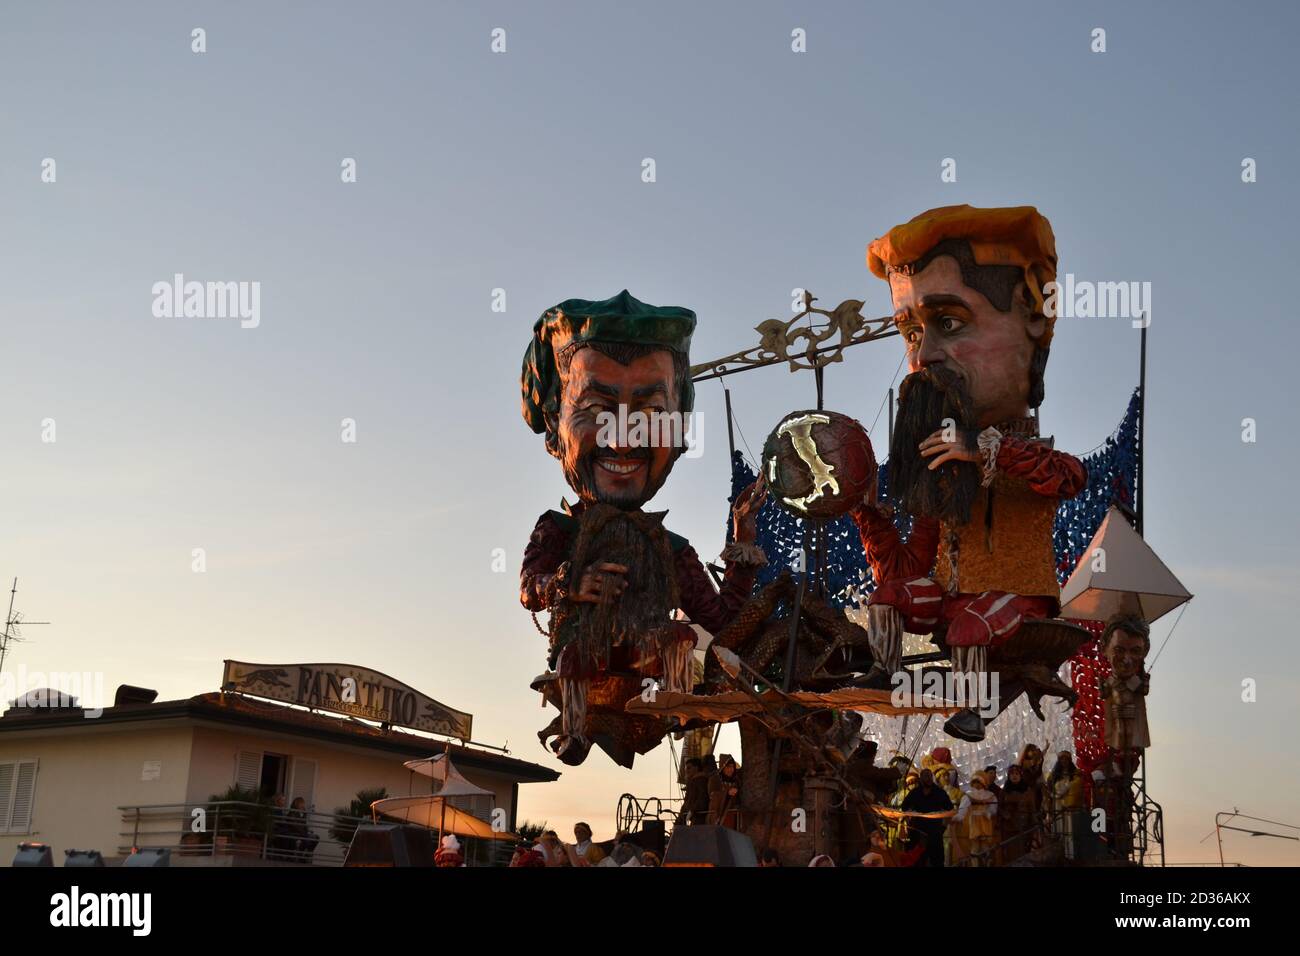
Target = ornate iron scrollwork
(803,347)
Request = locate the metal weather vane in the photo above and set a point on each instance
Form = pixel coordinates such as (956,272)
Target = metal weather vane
(806,348)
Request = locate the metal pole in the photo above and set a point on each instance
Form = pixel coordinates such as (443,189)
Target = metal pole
(4,641)
(787,678)
(891,417)
(1142,430)
(731,434)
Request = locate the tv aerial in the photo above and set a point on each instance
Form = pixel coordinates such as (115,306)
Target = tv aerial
(14,623)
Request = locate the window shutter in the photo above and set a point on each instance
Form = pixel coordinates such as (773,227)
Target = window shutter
(248,770)
(304,782)
(6,793)
(24,797)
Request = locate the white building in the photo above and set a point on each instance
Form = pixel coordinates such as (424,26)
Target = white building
(136,774)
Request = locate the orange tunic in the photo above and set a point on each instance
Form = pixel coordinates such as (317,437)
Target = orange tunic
(1007,550)
(1007,544)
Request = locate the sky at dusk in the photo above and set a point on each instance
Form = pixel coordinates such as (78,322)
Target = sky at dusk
(522,171)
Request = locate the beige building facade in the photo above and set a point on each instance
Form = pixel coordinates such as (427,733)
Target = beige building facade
(135,775)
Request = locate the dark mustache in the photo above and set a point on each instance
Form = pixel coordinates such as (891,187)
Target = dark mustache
(637,453)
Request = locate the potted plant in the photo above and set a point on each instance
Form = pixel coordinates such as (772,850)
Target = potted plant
(345,824)
(239,820)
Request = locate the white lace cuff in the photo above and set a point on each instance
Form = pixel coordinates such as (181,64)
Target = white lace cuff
(744,555)
(989,441)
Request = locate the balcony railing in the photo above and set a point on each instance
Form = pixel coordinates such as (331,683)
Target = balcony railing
(237,832)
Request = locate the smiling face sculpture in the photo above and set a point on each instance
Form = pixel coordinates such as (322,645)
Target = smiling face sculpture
(608,382)
(601,386)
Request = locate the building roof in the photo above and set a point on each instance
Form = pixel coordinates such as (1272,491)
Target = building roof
(246,712)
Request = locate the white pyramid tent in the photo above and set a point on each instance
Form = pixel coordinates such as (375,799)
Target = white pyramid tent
(441,769)
(434,810)
(1119,573)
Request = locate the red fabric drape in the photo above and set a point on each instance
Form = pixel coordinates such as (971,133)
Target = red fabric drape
(1088,668)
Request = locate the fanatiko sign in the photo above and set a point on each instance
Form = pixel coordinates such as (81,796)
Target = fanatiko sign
(347,689)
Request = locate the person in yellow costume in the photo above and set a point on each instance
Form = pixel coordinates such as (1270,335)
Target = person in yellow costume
(1065,788)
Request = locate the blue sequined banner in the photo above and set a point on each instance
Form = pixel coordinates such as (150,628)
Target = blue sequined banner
(1112,477)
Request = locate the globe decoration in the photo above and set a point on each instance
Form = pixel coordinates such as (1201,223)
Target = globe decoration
(818,464)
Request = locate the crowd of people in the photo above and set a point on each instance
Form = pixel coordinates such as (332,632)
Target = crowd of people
(997,819)
(931,819)
(550,850)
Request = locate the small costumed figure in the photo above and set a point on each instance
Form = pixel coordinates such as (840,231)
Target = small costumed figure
(1065,786)
(1018,811)
(608,383)
(939,762)
(1031,767)
(1126,641)
(449,854)
(905,786)
(526,855)
(724,794)
(979,810)
(970,291)
(948,779)
(928,804)
(584,851)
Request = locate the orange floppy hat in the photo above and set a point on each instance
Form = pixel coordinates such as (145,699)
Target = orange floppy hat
(1017,236)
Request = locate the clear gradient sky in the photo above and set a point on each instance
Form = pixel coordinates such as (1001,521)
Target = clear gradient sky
(522,171)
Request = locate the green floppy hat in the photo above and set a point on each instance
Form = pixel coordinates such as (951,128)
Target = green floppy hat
(624,318)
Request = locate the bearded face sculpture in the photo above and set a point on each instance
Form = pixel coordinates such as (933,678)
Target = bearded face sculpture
(975,321)
(976,355)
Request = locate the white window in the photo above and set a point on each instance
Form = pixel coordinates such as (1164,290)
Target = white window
(17,794)
(272,774)
(304,782)
(248,770)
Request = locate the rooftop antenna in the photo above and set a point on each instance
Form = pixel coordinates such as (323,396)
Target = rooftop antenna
(13,625)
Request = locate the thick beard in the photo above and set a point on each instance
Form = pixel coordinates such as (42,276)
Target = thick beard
(925,399)
(581,476)
(640,617)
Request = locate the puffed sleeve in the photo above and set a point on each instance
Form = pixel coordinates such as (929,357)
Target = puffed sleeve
(705,606)
(890,557)
(1051,473)
(546,550)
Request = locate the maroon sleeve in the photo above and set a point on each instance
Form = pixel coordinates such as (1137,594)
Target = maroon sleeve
(1053,474)
(705,606)
(546,550)
(890,558)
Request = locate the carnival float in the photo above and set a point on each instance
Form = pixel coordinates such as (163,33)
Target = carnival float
(877,629)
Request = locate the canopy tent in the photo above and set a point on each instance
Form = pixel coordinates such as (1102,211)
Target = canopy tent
(733,705)
(435,810)
(436,813)
(442,770)
(1119,573)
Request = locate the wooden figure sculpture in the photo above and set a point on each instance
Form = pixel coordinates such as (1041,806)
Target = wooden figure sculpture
(607,382)
(1126,643)
(968,288)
